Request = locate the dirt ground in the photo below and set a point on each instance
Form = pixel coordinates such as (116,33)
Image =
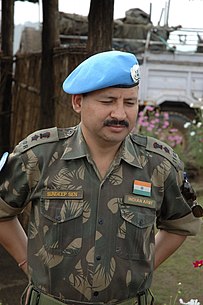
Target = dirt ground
(12,280)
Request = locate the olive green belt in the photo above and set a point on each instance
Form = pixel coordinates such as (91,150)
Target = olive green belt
(44,299)
(35,297)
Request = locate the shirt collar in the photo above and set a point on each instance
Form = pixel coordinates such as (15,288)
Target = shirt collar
(129,153)
(76,148)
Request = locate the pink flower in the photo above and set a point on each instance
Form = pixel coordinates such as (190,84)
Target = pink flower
(166,124)
(166,115)
(141,113)
(173,130)
(149,108)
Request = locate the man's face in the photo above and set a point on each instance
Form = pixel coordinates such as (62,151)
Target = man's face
(107,115)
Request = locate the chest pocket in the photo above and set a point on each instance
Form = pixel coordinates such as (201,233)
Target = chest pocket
(135,238)
(62,221)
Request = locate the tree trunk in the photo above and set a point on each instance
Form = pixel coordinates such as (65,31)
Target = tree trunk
(6,70)
(50,40)
(100,26)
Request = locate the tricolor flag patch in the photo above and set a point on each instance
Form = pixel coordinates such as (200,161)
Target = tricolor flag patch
(142,188)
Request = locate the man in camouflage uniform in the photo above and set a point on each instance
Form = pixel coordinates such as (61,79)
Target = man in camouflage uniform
(96,192)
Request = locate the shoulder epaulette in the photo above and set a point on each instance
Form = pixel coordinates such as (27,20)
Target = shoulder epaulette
(43,136)
(160,148)
(164,150)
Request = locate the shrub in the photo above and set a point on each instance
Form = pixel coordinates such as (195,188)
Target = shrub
(153,122)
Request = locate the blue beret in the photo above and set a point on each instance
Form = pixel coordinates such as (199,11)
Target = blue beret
(102,70)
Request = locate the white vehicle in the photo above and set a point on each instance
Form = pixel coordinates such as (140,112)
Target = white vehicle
(173,80)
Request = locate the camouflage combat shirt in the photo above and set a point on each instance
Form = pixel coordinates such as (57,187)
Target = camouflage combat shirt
(92,239)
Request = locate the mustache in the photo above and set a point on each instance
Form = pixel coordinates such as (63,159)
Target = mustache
(116,123)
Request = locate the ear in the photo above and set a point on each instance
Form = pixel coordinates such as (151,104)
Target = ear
(77,102)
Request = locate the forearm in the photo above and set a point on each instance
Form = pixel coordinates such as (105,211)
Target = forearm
(165,245)
(14,240)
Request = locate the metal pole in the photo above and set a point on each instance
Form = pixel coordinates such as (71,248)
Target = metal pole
(167,12)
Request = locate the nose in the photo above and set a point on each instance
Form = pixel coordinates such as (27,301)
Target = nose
(118,112)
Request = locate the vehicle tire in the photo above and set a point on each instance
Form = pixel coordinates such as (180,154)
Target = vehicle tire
(177,121)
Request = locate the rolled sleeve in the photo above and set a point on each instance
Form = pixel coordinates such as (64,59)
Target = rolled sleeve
(14,188)
(8,212)
(187,225)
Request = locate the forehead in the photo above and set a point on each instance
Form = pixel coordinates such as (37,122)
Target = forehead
(116,92)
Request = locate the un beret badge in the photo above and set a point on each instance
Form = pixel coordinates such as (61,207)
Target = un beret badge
(135,73)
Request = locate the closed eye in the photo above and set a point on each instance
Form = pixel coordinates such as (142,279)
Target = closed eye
(106,102)
(131,102)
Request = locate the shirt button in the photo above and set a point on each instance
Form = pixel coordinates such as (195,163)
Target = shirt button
(98,257)
(100,221)
(96,293)
(141,222)
(118,250)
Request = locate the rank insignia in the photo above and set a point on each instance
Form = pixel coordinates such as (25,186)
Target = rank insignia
(142,188)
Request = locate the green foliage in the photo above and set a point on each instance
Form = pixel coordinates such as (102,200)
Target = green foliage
(195,142)
(179,268)
(174,299)
(152,122)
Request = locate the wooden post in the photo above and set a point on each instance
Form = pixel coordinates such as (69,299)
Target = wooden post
(50,40)
(100,26)
(6,70)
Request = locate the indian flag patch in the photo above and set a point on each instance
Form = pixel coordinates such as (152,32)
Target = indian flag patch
(142,188)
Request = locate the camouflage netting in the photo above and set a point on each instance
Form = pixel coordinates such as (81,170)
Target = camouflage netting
(129,33)
(73,24)
(134,30)
(134,26)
